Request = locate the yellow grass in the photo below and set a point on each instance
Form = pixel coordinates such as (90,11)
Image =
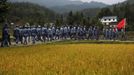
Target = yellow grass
(68,59)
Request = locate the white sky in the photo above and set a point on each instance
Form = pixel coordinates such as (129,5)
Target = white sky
(105,1)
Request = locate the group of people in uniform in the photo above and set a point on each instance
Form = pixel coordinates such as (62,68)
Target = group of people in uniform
(113,34)
(26,34)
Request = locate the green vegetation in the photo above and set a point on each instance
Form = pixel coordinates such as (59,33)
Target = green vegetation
(22,13)
(4,7)
(90,42)
(77,18)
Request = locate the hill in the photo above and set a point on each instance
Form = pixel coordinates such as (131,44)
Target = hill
(91,12)
(27,12)
(78,7)
(50,3)
(65,6)
(130,1)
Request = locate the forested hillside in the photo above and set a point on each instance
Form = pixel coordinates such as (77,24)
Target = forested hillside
(28,12)
(131,1)
(92,12)
(78,7)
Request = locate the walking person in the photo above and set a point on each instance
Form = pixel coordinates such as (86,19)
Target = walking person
(16,34)
(5,36)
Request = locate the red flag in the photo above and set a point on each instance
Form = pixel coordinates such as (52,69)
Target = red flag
(121,24)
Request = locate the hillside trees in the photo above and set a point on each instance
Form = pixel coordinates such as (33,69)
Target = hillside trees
(4,7)
(78,18)
(27,12)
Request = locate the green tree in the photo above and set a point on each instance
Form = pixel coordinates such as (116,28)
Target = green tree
(24,12)
(4,7)
(70,18)
(104,12)
(59,21)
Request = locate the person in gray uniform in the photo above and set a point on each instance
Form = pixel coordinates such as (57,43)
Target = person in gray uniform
(33,34)
(16,34)
(44,33)
(5,36)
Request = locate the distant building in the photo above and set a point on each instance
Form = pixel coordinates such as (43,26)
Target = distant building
(109,21)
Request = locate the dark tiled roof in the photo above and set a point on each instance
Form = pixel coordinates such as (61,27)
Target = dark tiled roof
(109,17)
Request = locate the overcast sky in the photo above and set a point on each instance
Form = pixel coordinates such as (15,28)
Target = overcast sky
(105,1)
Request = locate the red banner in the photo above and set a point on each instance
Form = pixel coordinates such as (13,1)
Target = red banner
(121,24)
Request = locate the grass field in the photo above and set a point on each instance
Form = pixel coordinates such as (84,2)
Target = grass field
(68,59)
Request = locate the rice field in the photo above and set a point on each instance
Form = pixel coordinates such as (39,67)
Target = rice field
(68,59)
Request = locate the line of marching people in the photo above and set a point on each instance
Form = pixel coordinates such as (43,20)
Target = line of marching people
(43,33)
(32,34)
(113,34)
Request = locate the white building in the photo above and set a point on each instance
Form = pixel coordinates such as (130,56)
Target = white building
(109,21)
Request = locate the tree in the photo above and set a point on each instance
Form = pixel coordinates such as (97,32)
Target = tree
(70,18)
(23,12)
(4,7)
(104,12)
(59,21)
